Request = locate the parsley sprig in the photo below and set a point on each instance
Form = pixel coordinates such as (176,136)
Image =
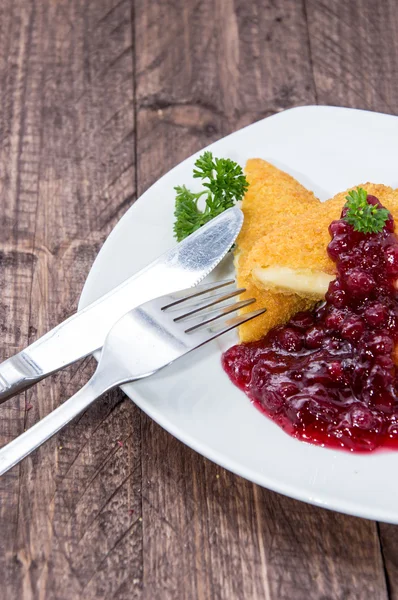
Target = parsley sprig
(364,217)
(224,184)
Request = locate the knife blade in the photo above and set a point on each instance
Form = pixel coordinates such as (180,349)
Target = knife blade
(83,333)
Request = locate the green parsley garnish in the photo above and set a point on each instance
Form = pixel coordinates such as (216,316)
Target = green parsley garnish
(224,184)
(364,217)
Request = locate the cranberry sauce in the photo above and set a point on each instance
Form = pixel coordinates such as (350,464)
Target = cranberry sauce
(328,376)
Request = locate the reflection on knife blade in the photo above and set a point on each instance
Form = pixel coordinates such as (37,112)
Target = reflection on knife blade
(183,266)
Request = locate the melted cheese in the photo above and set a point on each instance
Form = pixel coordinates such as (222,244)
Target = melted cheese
(304,282)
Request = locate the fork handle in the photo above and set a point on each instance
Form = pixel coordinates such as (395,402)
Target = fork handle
(16,374)
(15,451)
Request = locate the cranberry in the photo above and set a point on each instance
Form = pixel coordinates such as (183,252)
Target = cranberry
(384,400)
(287,389)
(337,298)
(378,378)
(274,364)
(337,246)
(296,375)
(339,227)
(302,320)
(389,224)
(236,354)
(352,329)
(335,370)
(360,372)
(373,200)
(359,283)
(314,337)
(375,314)
(371,250)
(334,286)
(344,212)
(329,377)
(346,262)
(392,260)
(335,294)
(289,339)
(333,346)
(362,417)
(380,344)
(335,319)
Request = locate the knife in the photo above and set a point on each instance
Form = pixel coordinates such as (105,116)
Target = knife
(83,333)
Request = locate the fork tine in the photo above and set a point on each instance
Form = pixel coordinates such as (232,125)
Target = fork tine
(217,300)
(223,312)
(240,319)
(232,324)
(198,290)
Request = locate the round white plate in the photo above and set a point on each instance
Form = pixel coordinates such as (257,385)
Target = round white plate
(327,149)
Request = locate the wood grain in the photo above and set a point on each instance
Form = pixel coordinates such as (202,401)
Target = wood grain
(98,99)
(207,533)
(355,63)
(354,53)
(68,174)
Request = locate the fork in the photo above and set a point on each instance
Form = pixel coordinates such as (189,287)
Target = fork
(142,342)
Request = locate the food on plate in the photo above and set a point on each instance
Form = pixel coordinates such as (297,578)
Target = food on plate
(223,184)
(321,361)
(273,199)
(327,376)
(293,257)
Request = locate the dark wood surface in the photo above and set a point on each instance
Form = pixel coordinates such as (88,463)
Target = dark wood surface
(98,98)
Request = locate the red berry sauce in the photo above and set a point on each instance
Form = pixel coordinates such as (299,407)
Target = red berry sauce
(328,376)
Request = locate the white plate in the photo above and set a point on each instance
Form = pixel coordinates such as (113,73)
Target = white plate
(327,149)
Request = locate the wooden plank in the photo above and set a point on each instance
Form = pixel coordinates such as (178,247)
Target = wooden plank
(215,67)
(17,257)
(203,70)
(69,515)
(389,547)
(354,53)
(66,175)
(216,535)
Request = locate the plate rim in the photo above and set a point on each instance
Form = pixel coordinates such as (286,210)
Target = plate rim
(331,503)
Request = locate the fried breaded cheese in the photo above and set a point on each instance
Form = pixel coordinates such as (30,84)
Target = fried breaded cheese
(299,247)
(273,198)
(301,243)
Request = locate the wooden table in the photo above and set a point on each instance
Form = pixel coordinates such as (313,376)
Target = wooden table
(99,98)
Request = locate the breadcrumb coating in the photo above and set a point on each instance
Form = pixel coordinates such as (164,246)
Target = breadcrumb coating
(301,243)
(273,198)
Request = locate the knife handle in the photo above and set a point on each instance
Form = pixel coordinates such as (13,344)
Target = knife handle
(16,374)
(31,439)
